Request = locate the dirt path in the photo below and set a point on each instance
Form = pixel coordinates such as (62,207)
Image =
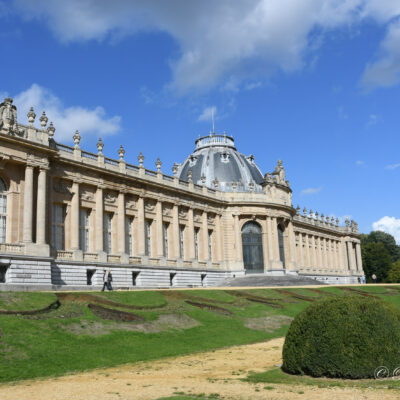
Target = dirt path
(211,372)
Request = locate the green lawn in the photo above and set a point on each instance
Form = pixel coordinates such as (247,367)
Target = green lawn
(74,338)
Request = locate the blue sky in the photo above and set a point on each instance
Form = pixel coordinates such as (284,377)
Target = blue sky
(314,83)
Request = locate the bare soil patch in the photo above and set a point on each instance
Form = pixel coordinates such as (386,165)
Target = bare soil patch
(219,371)
(164,322)
(269,323)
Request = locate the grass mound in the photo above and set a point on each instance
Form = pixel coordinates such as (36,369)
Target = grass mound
(343,337)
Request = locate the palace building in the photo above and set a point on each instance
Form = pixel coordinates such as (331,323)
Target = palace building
(67,214)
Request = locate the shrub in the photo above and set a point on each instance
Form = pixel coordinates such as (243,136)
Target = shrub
(394,273)
(343,337)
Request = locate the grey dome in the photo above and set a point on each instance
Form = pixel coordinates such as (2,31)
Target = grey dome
(216,158)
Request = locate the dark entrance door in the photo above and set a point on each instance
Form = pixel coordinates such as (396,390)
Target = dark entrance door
(253,256)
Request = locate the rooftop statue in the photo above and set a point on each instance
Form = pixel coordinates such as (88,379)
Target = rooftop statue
(8,115)
(279,173)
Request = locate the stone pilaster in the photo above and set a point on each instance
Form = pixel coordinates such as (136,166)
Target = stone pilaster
(175,231)
(238,239)
(99,225)
(121,224)
(204,228)
(41,206)
(159,230)
(141,228)
(28,204)
(190,235)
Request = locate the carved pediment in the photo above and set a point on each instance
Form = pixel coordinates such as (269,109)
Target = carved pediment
(63,187)
(110,197)
(150,205)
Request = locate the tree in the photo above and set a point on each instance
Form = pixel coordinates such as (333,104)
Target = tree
(386,239)
(394,273)
(376,260)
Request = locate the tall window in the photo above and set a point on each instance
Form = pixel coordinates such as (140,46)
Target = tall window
(107,232)
(148,238)
(181,241)
(58,227)
(84,229)
(129,236)
(165,240)
(210,248)
(196,243)
(3,211)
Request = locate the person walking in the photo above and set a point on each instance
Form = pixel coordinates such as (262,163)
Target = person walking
(105,280)
(109,280)
(373,278)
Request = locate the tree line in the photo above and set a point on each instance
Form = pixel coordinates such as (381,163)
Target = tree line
(380,256)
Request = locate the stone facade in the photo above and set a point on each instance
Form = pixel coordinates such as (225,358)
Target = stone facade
(69,214)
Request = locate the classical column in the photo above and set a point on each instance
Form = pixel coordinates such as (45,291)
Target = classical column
(274,226)
(308,256)
(121,223)
(28,204)
(237,236)
(41,206)
(319,255)
(292,241)
(350,255)
(324,254)
(140,227)
(175,231)
(336,258)
(359,258)
(219,240)
(190,234)
(345,260)
(159,230)
(75,217)
(330,258)
(300,261)
(99,219)
(204,227)
(313,252)
(270,239)
(264,225)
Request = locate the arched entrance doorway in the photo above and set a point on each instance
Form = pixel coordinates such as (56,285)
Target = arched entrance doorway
(253,257)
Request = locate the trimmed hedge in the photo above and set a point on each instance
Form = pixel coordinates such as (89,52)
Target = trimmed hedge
(343,337)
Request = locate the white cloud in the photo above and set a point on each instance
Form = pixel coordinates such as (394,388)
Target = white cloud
(360,163)
(227,40)
(385,71)
(392,166)
(66,119)
(311,190)
(208,114)
(389,225)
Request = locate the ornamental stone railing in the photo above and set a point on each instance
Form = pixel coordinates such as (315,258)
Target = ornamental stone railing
(12,248)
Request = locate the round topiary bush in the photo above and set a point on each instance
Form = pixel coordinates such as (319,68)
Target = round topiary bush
(343,337)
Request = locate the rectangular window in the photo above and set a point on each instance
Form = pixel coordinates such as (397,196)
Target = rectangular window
(58,227)
(107,232)
(210,248)
(84,229)
(148,238)
(165,240)
(129,236)
(182,241)
(196,243)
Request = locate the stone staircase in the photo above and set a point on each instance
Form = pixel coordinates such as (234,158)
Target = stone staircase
(268,280)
